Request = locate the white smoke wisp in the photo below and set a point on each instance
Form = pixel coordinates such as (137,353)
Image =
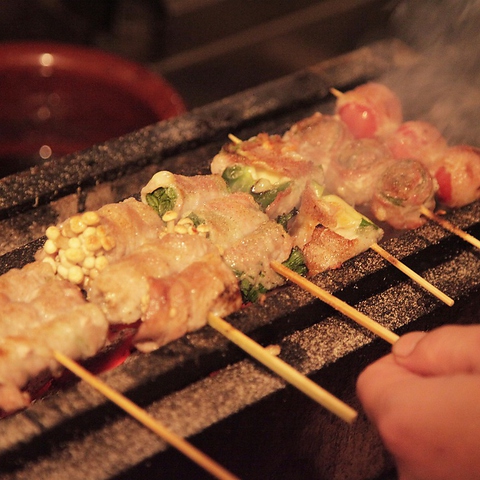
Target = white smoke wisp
(444,88)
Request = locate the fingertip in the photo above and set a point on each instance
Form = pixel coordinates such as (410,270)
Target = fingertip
(406,344)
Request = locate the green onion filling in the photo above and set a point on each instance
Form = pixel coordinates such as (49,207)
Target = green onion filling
(162,199)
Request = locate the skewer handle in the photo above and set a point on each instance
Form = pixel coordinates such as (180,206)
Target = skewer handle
(147,420)
(283,369)
(413,275)
(336,303)
(450,227)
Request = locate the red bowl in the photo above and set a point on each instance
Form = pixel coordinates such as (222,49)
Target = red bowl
(56,99)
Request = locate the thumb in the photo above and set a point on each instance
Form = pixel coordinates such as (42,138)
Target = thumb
(444,351)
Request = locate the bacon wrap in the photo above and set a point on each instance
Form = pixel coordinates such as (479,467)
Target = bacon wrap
(50,315)
(418,140)
(318,138)
(355,169)
(458,176)
(247,238)
(190,192)
(403,188)
(121,289)
(330,231)
(131,224)
(370,110)
(276,163)
(180,303)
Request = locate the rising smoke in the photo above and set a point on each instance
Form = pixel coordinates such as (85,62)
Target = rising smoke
(444,88)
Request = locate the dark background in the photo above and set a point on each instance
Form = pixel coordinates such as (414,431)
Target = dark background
(207,49)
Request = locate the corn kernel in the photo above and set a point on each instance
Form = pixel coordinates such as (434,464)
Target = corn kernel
(202,228)
(50,247)
(169,216)
(101,262)
(89,262)
(89,231)
(180,229)
(52,232)
(185,221)
(62,271)
(75,275)
(74,242)
(108,243)
(101,232)
(51,262)
(93,243)
(75,255)
(90,218)
(76,224)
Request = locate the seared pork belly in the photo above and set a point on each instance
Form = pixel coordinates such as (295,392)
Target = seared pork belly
(122,288)
(51,316)
(180,303)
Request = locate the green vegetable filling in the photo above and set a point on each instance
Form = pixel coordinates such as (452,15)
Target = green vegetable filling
(251,292)
(296,262)
(241,179)
(398,202)
(238,178)
(367,224)
(264,199)
(195,219)
(162,199)
(285,218)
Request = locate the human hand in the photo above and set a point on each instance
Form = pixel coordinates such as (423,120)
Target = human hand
(424,398)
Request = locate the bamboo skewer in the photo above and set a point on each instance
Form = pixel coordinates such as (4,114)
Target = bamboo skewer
(336,303)
(147,420)
(450,227)
(284,370)
(414,276)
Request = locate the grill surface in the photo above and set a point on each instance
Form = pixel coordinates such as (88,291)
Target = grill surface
(201,386)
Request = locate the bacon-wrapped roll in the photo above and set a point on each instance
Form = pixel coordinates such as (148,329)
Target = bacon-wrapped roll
(354,170)
(122,288)
(458,175)
(418,140)
(268,168)
(84,244)
(248,239)
(180,303)
(167,192)
(318,138)
(369,110)
(329,231)
(50,315)
(403,188)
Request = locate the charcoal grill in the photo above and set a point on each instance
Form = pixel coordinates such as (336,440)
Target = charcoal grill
(201,386)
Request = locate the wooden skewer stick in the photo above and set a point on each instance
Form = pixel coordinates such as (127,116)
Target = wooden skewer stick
(336,303)
(284,370)
(336,93)
(234,139)
(414,276)
(147,420)
(450,227)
